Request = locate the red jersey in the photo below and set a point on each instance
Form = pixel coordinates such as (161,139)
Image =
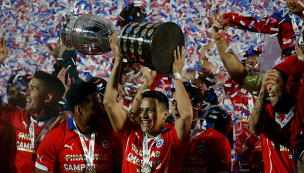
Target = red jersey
(283,29)
(63,145)
(277,158)
(295,87)
(209,152)
(20,121)
(166,155)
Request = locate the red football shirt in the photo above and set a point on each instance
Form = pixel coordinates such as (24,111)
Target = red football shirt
(19,120)
(276,159)
(208,152)
(63,145)
(166,155)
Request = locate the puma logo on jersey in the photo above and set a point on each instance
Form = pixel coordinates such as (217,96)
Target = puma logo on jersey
(39,158)
(24,124)
(65,145)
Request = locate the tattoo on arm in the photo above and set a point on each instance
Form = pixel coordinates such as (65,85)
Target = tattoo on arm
(300,167)
(258,108)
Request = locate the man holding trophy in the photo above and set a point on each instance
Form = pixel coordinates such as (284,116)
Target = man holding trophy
(150,147)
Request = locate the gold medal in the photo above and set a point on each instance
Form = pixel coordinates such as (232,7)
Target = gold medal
(90,170)
(146,169)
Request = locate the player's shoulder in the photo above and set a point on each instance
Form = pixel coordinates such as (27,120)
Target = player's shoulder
(58,132)
(211,134)
(13,110)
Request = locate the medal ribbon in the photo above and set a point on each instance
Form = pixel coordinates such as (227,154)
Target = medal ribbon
(296,29)
(286,119)
(147,150)
(89,154)
(42,133)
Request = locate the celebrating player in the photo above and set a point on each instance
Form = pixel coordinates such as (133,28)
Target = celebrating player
(150,147)
(80,144)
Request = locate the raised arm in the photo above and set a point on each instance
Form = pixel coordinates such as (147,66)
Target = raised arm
(238,73)
(3,50)
(231,62)
(117,115)
(149,77)
(259,107)
(183,124)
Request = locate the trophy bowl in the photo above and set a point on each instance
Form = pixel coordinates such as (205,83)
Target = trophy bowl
(90,34)
(151,44)
(66,30)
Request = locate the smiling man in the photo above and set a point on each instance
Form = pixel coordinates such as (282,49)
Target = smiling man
(149,146)
(81,143)
(275,122)
(41,109)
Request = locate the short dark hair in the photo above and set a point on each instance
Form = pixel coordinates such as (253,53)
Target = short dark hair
(283,75)
(51,83)
(129,14)
(196,95)
(21,78)
(159,96)
(249,54)
(97,81)
(78,94)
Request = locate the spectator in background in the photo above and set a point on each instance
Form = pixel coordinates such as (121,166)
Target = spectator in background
(17,85)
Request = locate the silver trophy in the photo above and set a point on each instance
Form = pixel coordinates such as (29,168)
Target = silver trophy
(89,34)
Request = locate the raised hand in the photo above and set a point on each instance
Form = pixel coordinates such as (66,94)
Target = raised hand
(179,60)
(219,27)
(148,74)
(299,52)
(212,19)
(61,76)
(269,79)
(3,50)
(57,52)
(114,45)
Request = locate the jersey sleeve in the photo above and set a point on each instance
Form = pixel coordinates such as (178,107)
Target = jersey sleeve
(118,153)
(47,153)
(252,24)
(126,131)
(222,156)
(293,84)
(177,144)
(8,113)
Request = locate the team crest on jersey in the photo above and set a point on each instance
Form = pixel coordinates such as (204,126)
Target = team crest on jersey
(106,144)
(160,143)
(200,149)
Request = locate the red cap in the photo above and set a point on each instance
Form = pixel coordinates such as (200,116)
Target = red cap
(286,65)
